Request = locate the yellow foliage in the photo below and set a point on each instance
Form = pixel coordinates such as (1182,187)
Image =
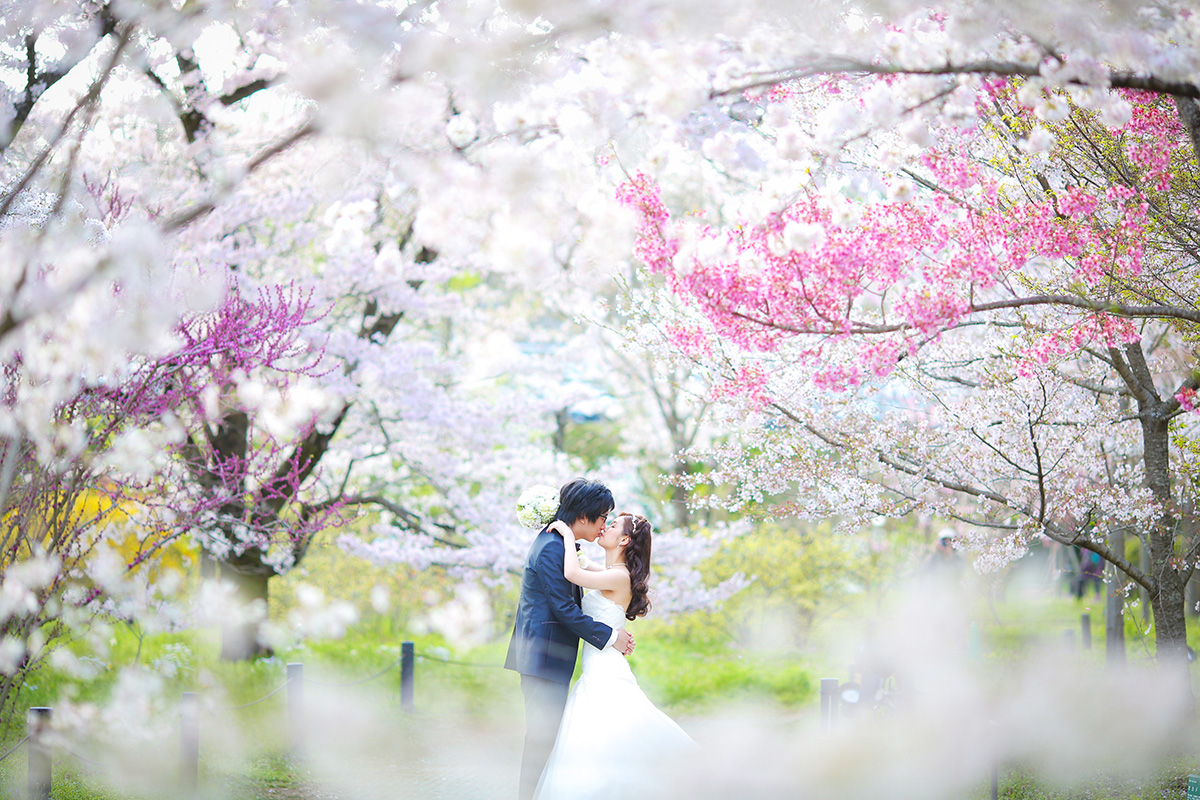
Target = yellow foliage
(96,520)
(797,574)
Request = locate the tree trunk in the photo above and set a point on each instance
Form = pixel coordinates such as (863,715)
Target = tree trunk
(1170,621)
(679,498)
(240,639)
(561,420)
(1167,599)
(1114,607)
(1170,631)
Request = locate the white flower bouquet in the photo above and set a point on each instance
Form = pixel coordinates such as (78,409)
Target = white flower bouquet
(537,506)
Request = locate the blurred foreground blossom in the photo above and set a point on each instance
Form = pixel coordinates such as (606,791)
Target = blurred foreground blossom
(316,618)
(12,654)
(465,620)
(23,582)
(381,599)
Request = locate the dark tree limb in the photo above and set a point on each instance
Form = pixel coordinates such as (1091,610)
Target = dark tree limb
(38,82)
(851,66)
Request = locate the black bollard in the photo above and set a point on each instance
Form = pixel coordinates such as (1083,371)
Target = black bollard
(1086,629)
(407,659)
(38,726)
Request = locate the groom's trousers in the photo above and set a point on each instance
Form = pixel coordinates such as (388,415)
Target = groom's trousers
(544,704)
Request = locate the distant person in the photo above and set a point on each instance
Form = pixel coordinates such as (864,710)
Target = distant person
(1091,570)
(945,562)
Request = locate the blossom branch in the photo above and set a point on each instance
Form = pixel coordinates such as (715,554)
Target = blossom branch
(85,102)
(848,65)
(1116,309)
(410,519)
(185,218)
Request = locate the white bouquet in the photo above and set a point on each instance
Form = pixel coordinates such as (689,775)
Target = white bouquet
(537,506)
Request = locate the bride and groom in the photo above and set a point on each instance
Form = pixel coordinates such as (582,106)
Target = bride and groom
(604,738)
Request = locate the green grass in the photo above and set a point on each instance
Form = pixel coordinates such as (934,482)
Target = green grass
(686,669)
(1167,783)
(681,678)
(1023,623)
(69,784)
(687,679)
(267,775)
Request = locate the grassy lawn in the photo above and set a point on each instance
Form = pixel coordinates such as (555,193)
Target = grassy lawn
(459,695)
(464,737)
(1170,784)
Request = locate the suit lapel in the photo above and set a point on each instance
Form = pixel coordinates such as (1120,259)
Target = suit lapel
(576,591)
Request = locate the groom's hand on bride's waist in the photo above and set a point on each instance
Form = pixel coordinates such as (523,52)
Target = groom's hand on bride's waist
(624,643)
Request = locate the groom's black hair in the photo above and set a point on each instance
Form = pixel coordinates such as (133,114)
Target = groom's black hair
(584,498)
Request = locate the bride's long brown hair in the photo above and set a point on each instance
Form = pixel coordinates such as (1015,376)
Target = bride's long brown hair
(637,561)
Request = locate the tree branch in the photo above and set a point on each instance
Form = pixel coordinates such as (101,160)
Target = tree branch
(1136,360)
(411,519)
(37,83)
(1120,562)
(848,65)
(1049,527)
(185,218)
(1172,404)
(1115,309)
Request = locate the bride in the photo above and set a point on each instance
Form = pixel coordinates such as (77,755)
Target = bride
(613,742)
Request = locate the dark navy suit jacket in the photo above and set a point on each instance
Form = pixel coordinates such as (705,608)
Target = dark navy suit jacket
(549,624)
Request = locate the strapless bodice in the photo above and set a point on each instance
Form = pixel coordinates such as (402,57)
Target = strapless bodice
(606,663)
(601,609)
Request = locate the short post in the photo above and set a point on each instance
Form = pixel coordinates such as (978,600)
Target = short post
(295,694)
(995,781)
(38,725)
(189,741)
(1086,631)
(407,659)
(829,700)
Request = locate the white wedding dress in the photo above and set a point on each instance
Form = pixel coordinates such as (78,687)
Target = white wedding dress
(613,743)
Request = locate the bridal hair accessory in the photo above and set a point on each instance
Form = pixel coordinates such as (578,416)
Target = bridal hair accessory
(537,506)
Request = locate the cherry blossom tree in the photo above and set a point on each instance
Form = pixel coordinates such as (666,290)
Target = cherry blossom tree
(441,179)
(96,310)
(81,532)
(154,157)
(978,298)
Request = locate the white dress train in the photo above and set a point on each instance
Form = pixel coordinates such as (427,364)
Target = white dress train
(613,743)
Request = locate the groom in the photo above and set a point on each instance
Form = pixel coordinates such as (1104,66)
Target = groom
(550,624)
